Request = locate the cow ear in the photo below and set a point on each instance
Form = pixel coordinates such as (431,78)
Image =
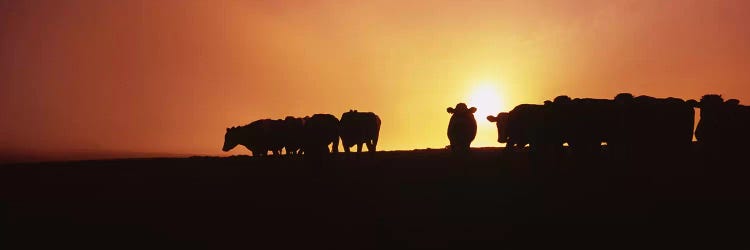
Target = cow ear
(472,110)
(491,118)
(227,129)
(692,103)
(450,110)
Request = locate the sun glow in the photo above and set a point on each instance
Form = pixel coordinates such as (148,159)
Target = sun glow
(487,97)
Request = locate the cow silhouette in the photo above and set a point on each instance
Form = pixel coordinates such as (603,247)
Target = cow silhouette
(319,131)
(462,128)
(293,135)
(259,137)
(723,125)
(584,123)
(650,125)
(524,125)
(357,128)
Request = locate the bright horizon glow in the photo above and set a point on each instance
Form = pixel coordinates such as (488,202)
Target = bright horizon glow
(488,98)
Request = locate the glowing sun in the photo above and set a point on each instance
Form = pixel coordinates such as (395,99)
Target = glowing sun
(486,97)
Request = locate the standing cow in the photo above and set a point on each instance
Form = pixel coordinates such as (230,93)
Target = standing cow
(259,137)
(653,126)
(293,133)
(462,127)
(525,125)
(357,128)
(584,123)
(319,131)
(723,125)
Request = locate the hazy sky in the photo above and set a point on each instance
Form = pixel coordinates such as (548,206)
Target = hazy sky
(170,76)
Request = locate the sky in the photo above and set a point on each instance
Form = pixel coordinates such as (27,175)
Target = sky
(83,78)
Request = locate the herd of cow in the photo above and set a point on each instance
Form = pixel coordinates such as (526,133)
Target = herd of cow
(311,134)
(626,124)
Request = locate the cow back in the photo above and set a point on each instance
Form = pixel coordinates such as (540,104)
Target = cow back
(462,128)
(319,131)
(359,127)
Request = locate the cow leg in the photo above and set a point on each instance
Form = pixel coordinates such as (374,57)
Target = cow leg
(509,146)
(370,146)
(335,147)
(346,148)
(359,147)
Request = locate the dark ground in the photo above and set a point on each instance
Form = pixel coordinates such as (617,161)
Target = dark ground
(406,199)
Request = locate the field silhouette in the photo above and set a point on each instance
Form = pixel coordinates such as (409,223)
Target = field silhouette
(431,198)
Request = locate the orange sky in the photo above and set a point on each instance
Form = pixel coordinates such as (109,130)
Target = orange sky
(169,76)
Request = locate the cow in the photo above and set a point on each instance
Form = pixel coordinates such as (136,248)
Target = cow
(723,125)
(462,127)
(319,131)
(583,123)
(525,125)
(357,128)
(653,125)
(259,137)
(293,133)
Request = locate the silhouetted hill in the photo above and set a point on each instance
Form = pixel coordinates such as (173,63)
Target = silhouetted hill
(399,199)
(14,156)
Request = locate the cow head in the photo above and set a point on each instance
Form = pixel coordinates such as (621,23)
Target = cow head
(563,99)
(230,139)
(711,101)
(710,104)
(624,98)
(461,108)
(501,121)
(350,113)
(732,102)
(692,103)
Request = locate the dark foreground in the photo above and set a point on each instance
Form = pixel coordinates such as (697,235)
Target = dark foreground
(416,199)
